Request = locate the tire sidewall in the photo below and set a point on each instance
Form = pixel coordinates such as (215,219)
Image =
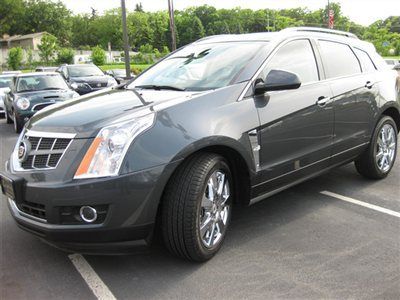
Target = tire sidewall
(218,163)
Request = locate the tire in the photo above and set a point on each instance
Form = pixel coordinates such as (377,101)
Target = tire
(17,124)
(187,206)
(378,160)
(8,118)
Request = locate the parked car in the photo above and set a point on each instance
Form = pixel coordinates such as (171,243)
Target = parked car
(5,83)
(226,121)
(11,72)
(86,78)
(31,92)
(119,75)
(391,62)
(46,69)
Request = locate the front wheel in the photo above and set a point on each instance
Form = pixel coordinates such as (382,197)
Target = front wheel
(197,207)
(17,123)
(377,161)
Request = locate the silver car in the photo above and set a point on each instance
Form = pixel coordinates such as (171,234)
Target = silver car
(5,82)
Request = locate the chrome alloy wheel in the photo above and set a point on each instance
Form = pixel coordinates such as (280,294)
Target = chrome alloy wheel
(386,148)
(214,211)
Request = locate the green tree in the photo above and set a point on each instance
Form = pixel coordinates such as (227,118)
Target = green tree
(11,12)
(47,48)
(98,56)
(65,56)
(15,58)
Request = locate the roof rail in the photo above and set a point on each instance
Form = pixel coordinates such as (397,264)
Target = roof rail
(321,30)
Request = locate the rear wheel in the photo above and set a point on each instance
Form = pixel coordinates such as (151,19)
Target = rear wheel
(377,161)
(197,207)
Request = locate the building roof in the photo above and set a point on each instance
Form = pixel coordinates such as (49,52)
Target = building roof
(23,37)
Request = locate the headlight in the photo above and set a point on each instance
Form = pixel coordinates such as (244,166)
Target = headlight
(107,151)
(111,82)
(23,103)
(76,85)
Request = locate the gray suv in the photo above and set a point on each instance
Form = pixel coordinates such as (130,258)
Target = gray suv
(226,121)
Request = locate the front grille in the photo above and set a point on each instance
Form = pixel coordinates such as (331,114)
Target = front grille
(95,85)
(45,152)
(41,106)
(34,209)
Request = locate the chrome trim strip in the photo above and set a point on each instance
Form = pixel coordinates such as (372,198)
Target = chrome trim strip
(23,214)
(309,165)
(57,135)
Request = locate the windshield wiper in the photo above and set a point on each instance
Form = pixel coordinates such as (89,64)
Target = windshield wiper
(159,87)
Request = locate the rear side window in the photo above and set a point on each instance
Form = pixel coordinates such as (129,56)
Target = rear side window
(366,62)
(339,60)
(296,57)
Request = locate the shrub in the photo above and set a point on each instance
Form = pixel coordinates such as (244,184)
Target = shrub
(65,56)
(98,56)
(147,48)
(14,58)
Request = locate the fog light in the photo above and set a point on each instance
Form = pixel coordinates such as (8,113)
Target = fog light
(88,214)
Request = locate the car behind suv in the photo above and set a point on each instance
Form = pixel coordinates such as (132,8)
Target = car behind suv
(86,78)
(226,121)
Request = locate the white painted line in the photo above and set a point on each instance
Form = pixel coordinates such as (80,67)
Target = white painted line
(358,202)
(98,287)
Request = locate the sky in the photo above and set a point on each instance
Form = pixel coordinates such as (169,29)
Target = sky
(363,12)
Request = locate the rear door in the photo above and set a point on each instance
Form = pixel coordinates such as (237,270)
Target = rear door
(354,93)
(296,125)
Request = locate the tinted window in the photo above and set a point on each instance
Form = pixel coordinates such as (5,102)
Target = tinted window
(296,57)
(339,60)
(84,71)
(366,62)
(42,82)
(5,82)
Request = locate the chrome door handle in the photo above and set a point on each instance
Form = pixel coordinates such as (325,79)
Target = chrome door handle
(322,101)
(369,85)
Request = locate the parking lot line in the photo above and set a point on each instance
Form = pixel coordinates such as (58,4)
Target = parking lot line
(98,287)
(361,203)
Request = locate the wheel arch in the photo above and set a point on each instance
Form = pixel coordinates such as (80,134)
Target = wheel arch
(394,113)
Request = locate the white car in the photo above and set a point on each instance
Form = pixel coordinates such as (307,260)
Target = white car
(5,83)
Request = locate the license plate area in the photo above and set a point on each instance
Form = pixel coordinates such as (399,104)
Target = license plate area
(11,186)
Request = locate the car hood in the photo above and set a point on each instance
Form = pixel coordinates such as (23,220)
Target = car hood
(86,115)
(47,96)
(90,79)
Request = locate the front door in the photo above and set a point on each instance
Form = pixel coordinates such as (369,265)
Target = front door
(296,125)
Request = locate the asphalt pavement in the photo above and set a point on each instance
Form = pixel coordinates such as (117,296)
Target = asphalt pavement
(298,244)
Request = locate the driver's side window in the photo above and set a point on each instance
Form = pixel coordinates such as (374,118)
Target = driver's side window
(295,57)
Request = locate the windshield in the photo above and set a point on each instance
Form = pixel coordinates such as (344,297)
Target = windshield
(41,82)
(199,67)
(84,71)
(5,82)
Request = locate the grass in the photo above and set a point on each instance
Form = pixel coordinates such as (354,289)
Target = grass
(135,68)
(392,57)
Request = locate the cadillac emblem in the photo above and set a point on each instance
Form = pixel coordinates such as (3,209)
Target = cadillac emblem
(23,150)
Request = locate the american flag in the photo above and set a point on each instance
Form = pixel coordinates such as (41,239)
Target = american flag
(331,18)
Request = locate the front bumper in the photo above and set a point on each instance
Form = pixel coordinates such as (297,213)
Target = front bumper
(130,203)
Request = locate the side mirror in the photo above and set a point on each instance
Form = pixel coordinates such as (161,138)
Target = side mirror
(277,80)
(7,90)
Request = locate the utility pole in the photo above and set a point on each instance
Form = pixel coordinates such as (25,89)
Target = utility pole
(126,41)
(328,14)
(172,24)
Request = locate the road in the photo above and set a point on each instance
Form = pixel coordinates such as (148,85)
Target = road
(298,244)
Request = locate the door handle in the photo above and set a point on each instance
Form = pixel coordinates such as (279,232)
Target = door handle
(369,85)
(322,101)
